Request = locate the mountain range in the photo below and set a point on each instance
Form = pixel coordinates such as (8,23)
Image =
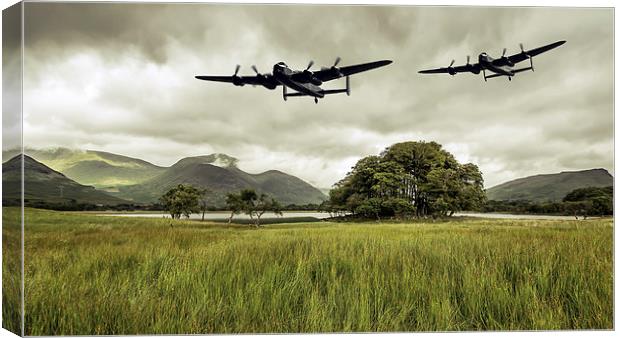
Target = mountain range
(139,181)
(107,178)
(43,184)
(549,187)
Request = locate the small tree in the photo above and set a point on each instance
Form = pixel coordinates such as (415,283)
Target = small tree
(256,205)
(181,200)
(203,203)
(235,204)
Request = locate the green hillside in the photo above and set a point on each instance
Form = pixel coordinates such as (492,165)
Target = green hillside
(96,168)
(44,184)
(140,181)
(220,180)
(549,187)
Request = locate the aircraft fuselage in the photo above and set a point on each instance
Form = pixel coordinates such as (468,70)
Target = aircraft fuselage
(283,74)
(487,62)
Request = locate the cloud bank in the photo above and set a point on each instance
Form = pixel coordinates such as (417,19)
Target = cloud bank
(120,78)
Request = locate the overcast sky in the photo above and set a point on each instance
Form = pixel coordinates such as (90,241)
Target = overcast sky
(120,78)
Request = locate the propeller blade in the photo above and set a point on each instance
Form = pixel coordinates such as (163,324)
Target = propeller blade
(504,52)
(237,69)
(255,69)
(310,64)
(521,45)
(467,59)
(337,61)
(451,63)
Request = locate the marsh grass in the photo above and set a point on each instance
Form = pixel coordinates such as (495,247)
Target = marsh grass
(89,274)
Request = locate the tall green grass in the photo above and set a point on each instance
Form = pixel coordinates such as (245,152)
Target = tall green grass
(11,270)
(89,274)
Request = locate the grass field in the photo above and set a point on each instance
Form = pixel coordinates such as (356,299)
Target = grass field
(88,274)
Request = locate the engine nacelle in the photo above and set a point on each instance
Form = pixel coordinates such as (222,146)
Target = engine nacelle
(336,71)
(237,80)
(315,81)
(473,69)
(506,61)
(451,71)
(270,85)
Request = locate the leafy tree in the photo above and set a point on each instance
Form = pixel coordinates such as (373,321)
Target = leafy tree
(181,200)
(234,203)
(599,200)
(256,205)
(370,207)
(409,178)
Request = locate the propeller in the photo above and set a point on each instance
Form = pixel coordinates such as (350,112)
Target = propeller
(334,66)
(310,65)
(337,62)
(472,68)
(236,80)
(506,60)
(528,56)
(451,70)
(258,74)
(335,69)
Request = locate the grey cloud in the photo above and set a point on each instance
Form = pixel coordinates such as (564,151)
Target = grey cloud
(125,72)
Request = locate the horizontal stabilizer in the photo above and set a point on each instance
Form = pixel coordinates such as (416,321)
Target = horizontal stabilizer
(333,91)
(295,94)
(324,92)
(494,75)
(521,70)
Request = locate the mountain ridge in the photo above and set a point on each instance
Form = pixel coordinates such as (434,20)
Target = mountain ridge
(143,182)
(43,184)
(549,187)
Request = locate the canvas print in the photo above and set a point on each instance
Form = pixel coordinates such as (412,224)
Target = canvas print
(196,168)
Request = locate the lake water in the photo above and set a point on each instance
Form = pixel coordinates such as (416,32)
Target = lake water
(321,215)
(224,215)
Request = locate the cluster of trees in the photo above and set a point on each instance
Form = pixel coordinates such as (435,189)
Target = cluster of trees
(301,207)
(184,200)
(409,179)
(579,202)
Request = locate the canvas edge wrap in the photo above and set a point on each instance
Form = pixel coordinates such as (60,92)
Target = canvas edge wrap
(12,146)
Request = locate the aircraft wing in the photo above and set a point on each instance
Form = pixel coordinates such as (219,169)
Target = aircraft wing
(522,56)
(251,80)
(333,73)
(457,69)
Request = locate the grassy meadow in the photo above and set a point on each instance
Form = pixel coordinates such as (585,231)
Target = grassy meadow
(88,274)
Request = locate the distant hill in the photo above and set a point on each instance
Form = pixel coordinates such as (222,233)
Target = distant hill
(141,181)
(44,184)
(223,178)
(549,187)
(97,168)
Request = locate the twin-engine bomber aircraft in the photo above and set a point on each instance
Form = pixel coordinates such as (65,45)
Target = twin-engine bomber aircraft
(305,82)
(501,67)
